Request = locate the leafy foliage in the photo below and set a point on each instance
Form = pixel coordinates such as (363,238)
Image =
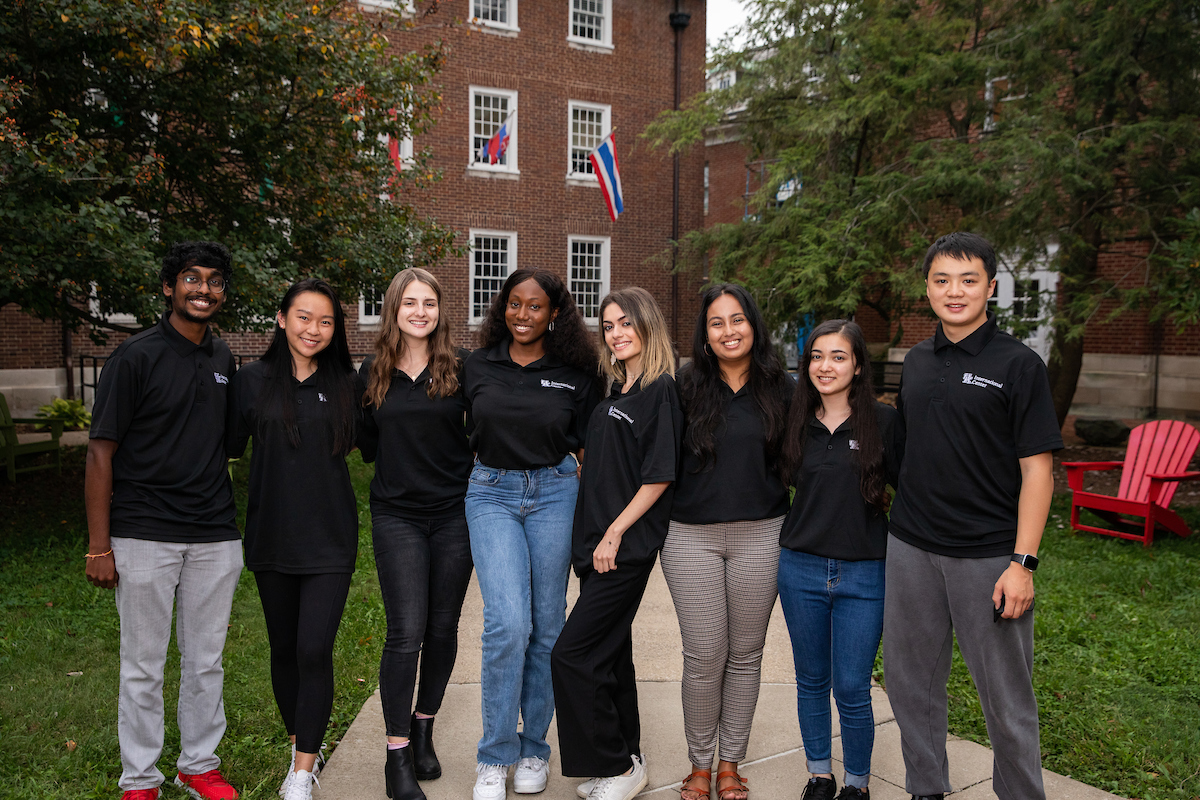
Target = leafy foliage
(126,125)
(73,411)
(1057,130)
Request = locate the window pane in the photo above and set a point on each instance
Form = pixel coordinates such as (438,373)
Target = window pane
(489,113)
(372,302)
(491,10)
(587,130)
(490,268)
(587,19)
(587,276)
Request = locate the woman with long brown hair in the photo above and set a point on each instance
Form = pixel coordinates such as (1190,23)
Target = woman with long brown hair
(415,429)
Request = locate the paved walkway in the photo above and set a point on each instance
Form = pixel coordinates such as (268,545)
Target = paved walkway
(774,763)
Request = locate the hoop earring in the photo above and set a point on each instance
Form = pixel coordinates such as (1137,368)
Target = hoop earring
(612,359)
(707,352)
(550,327)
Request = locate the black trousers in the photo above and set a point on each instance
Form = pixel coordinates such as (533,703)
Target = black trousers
(424,568)
(302,614)
(595,687)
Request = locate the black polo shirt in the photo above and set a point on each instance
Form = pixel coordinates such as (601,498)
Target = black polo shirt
(162,399)
(422,445)
(526,417)
(739,483)
(301,515)
(632,439)
(971,410)
(829,517)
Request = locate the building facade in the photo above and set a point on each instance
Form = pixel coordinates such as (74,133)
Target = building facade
(560,74)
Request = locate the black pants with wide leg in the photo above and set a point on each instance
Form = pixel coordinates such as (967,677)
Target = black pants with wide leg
(595,687)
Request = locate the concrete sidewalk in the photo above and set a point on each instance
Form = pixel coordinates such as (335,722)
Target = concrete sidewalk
(774,764)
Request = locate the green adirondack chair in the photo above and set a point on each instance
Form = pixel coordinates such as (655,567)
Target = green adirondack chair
(11,449)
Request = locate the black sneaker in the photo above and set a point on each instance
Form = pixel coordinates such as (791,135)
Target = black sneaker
(820,789)
(853,793)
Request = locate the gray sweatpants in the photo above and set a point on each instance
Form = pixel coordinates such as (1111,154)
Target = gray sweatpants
(197,580)
(929,599)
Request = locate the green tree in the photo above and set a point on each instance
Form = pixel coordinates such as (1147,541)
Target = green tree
(129,124)
(1058,130)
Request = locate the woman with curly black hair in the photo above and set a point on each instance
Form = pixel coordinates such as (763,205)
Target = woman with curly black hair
(722,551)
(532,386)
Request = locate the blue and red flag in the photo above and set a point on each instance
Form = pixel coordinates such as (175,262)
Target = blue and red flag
(604,162)
(495,148)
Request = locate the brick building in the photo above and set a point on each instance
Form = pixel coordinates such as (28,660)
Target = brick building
(574,70)
(1132,368)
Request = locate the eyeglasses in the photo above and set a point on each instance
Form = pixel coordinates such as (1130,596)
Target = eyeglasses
(193,282)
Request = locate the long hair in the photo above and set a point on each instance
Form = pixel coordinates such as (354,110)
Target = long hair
(335,375)
(658,358)
(864,422)
(389,344)
(701,387)
(569,342)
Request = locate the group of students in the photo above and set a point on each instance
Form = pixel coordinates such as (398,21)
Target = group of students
(544,451)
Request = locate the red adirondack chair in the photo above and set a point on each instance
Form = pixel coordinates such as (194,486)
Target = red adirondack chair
(1155,462)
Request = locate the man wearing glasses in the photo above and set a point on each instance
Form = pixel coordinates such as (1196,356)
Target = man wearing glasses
(161,522)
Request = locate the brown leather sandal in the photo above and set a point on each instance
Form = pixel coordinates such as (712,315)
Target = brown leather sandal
(738,791)
(706,775)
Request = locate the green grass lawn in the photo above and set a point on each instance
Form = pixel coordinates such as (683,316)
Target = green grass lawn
(1117,661)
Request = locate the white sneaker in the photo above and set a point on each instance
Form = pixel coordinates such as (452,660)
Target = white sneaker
(300,785)
(585,788)
(490,780)
(287,778)
(531,775)
(621,787)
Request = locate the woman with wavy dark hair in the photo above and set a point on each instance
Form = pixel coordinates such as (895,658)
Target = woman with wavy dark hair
(532,387)
(414,428)
(842,450)
(722,552)
(299,402)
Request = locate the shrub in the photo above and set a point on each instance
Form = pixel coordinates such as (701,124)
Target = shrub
(75,415)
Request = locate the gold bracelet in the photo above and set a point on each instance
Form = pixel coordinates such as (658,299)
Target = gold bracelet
(98,555)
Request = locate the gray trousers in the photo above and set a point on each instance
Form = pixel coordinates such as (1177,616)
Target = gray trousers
(722,582)
(929,599)
(198,580)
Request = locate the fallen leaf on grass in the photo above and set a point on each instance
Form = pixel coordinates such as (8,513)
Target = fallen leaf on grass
(48,605)
(361,680)
(74,674)
(71,745)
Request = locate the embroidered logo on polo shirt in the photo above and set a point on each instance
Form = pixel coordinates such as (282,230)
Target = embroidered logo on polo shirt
(219,378)
(556,385)
(971,379)
(616,413)
(321,397)
(854,444)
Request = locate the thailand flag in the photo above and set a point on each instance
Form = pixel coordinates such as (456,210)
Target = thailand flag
(495,148)
(604,162)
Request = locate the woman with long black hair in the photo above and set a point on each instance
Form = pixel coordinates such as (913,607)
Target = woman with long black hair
(842,450)
(722,552)
(300,404)
(531,386)
(415,429)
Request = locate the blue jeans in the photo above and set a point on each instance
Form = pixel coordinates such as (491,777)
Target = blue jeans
(834,613)
(520,523)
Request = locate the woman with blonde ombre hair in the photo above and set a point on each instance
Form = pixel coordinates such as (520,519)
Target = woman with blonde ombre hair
(416,429)
(621,520)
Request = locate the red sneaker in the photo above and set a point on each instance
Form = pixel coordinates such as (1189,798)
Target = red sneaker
(206,786)
(140,794)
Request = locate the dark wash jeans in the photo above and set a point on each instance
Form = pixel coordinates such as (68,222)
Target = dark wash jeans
(424,567)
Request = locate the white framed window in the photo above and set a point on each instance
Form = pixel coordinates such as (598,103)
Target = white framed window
(997,92)
(491,110)
(116,318)
(370,306)
(403,6)
(588,273)
(589,123)
(493,257)
(1025,301)
(706,187)
(495,14)
(591,23)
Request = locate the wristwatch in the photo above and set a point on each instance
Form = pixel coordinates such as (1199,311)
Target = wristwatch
(1028,562)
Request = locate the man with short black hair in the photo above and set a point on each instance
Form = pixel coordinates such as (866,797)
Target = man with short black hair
(161,522)
(973,495)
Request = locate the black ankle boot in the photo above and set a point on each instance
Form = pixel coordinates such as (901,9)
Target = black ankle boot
(398,774)
(420,739)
